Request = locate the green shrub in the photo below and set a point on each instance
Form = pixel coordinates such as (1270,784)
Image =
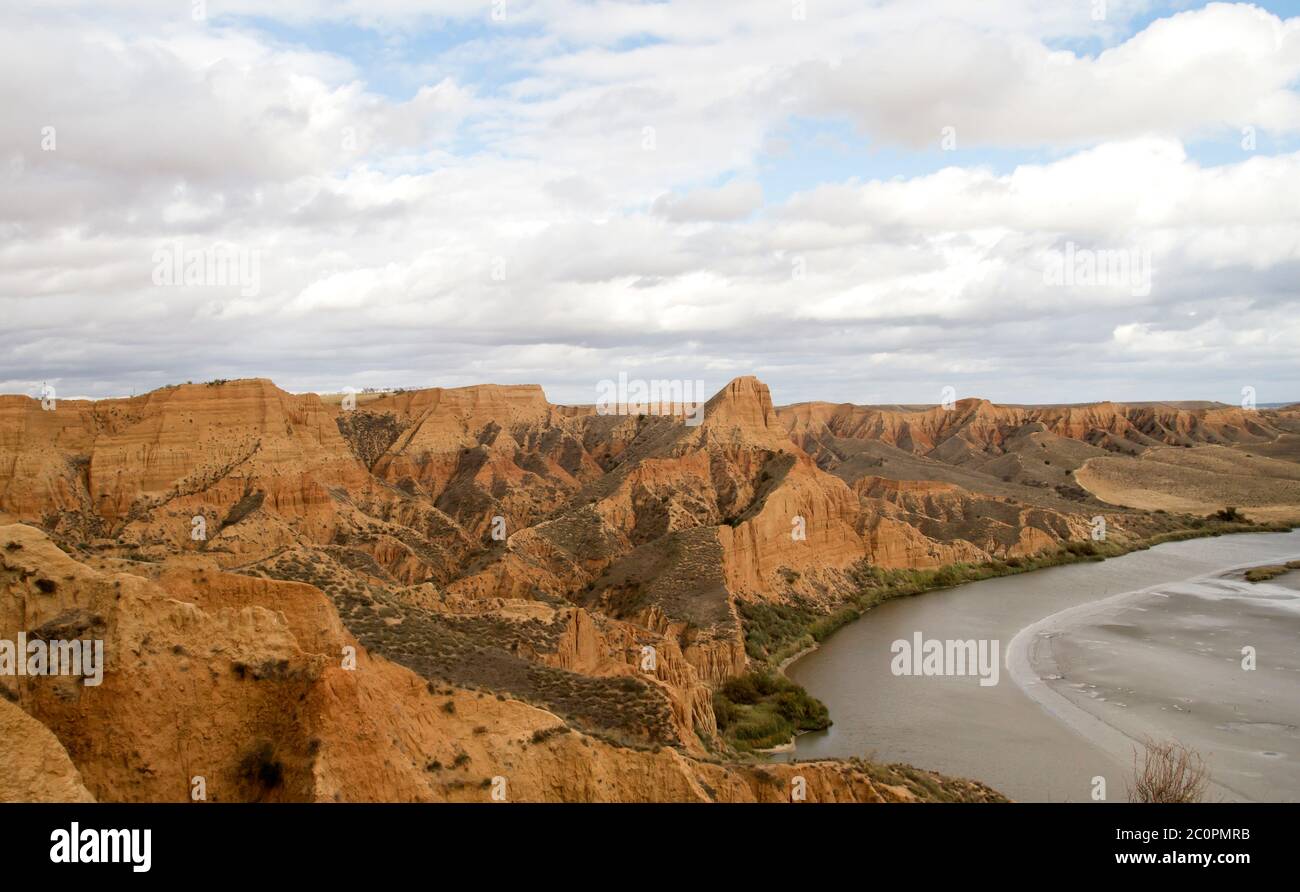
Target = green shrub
(763,709)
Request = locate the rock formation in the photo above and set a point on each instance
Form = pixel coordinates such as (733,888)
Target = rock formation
(541,593)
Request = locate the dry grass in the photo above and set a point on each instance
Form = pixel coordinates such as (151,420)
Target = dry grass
(1196,481)
(1169,772)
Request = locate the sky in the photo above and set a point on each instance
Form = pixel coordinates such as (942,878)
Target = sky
(869,201)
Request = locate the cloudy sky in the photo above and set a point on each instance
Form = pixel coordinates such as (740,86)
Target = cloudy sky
(856,200)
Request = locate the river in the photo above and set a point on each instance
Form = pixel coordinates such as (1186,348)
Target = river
(1161,657)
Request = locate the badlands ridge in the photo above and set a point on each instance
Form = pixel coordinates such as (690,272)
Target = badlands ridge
(439,590)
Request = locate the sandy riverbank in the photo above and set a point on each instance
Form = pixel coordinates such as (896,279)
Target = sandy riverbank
(1166,662)
(1003,737)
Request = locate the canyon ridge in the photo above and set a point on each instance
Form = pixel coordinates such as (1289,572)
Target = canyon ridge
(472,593)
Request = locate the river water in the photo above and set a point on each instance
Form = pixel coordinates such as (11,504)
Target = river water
(1162,657)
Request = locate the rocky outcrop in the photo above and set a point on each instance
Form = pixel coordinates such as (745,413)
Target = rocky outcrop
(35,767)
(242,689)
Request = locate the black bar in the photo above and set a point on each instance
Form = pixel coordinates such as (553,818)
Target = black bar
(436,844)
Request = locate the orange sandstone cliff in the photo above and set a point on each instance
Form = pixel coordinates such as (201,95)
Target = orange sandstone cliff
(537,593)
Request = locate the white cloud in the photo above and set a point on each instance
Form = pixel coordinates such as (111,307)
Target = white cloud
(1197,73)
(555,229)
(733,201)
